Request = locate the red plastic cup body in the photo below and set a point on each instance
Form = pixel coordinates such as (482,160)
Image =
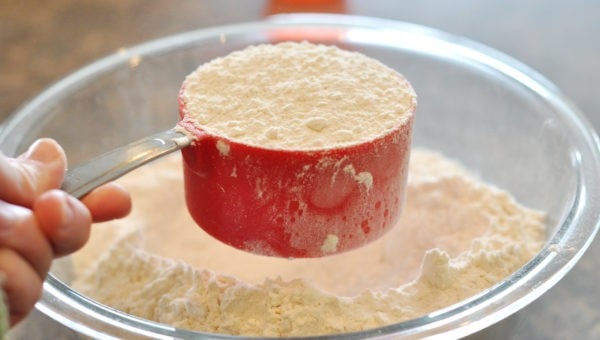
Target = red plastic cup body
(291,203)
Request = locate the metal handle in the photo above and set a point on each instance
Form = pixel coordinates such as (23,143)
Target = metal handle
(116,163)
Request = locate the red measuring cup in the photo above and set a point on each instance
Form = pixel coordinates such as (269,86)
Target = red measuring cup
(295,203)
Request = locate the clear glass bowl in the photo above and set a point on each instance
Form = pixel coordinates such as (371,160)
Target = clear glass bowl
(494,114)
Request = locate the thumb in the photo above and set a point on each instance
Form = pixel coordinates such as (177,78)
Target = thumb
(39,169)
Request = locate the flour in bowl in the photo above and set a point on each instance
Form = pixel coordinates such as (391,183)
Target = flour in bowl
(457,237)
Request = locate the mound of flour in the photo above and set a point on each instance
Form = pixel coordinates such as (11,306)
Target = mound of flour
(457,236)
(297,96)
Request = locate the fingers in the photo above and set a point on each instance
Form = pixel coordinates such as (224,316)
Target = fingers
(39,169)
(39,222)
(57,225)
(108,202)
(19,231)
(23,286)
(42,168)
(25,258)
(64,220)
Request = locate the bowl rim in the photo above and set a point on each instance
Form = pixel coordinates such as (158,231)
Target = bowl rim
(561,251)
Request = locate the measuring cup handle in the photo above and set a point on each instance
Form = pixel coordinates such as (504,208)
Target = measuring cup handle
(116,163)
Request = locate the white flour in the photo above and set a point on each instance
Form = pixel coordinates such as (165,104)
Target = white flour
(298,96)
(456,237)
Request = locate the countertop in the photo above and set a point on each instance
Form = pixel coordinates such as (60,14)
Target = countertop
(43,41)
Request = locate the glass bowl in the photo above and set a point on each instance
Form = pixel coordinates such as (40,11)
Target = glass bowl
(497,116)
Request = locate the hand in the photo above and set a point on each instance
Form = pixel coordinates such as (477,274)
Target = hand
(39,222)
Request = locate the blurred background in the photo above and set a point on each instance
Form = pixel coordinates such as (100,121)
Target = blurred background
(43,41)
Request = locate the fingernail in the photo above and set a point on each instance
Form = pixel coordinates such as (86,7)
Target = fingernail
(45,151)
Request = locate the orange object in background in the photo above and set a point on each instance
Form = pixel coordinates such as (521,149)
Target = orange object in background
(314,35)
(305,6)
